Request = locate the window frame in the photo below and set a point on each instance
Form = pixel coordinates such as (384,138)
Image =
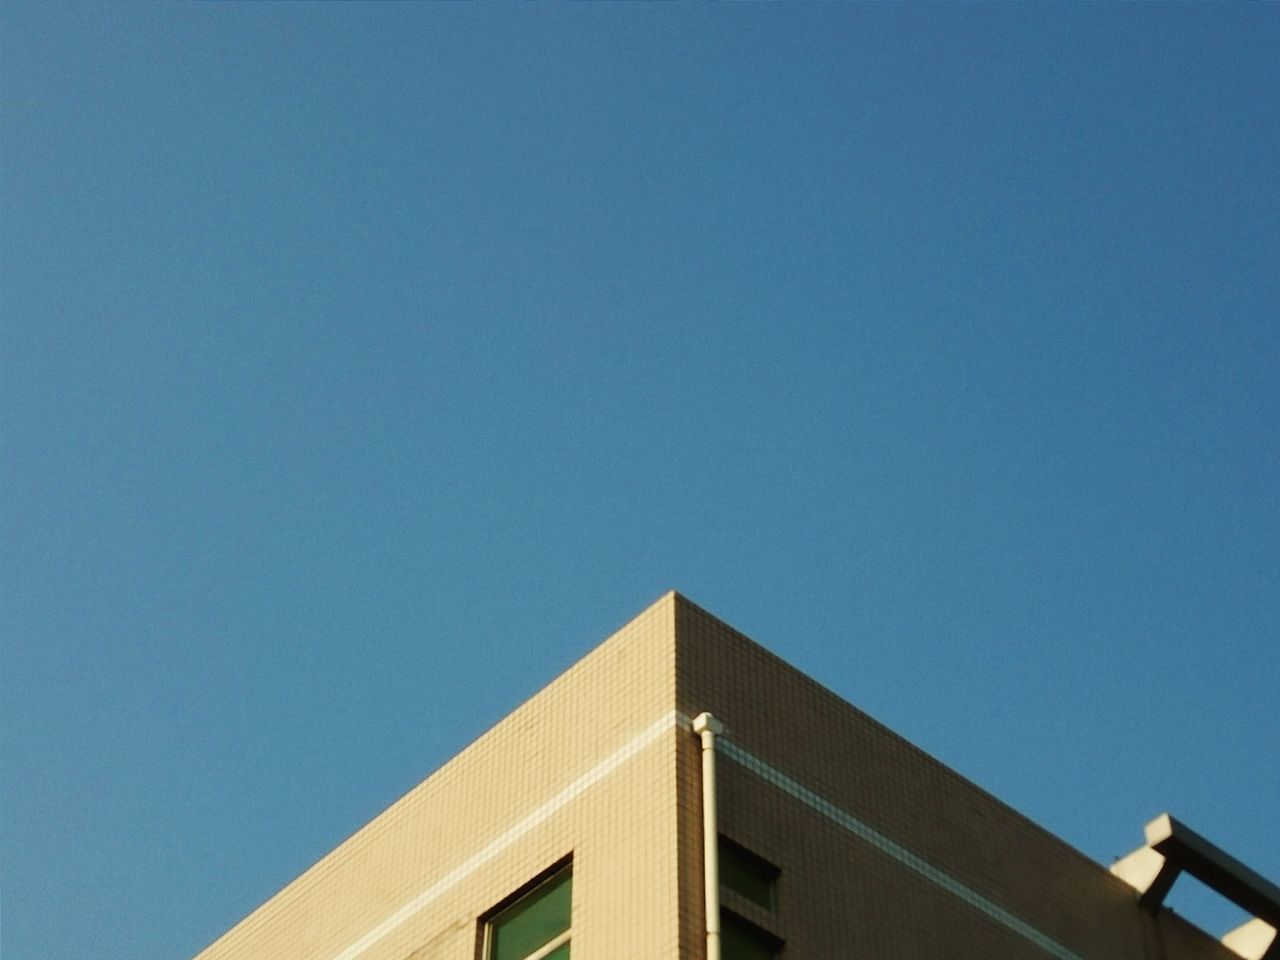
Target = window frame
(488,920)
(748,863)
(732,919)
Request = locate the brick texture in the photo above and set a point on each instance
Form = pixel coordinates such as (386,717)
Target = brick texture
(840,896)
(600,767)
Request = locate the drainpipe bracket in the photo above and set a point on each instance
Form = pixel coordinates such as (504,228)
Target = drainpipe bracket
(705,722)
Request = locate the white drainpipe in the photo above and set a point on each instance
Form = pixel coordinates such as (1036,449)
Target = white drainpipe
(707,726)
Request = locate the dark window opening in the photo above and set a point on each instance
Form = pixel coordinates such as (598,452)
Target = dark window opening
(536,925)
(746,874)
(742,940)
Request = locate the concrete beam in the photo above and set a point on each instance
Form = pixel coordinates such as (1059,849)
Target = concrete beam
(1254,940)
(1216,869)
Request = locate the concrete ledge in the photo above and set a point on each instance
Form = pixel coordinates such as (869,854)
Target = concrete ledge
(1255,940)
(1173,847)
(1214,867)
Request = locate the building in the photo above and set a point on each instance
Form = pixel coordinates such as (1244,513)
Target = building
(578,823)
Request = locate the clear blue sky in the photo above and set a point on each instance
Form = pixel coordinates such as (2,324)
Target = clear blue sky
(365,365)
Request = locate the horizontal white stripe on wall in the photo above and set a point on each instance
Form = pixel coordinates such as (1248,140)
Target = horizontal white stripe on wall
(894,850)
(500,843)
(748,761)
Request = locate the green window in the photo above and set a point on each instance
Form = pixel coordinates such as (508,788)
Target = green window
(746,874)
(740,940)
(535,927)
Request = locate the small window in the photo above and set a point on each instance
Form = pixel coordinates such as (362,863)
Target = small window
(740,940)
(536,926)
(748,875)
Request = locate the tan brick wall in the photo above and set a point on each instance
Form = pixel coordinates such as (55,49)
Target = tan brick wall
(840,896)
(986,882)
(621,829)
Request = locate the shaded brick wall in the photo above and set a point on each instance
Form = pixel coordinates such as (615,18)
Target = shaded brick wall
(841,895)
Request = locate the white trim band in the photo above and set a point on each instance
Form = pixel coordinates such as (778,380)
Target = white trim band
(496,846)
(750,762)
(897,851)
